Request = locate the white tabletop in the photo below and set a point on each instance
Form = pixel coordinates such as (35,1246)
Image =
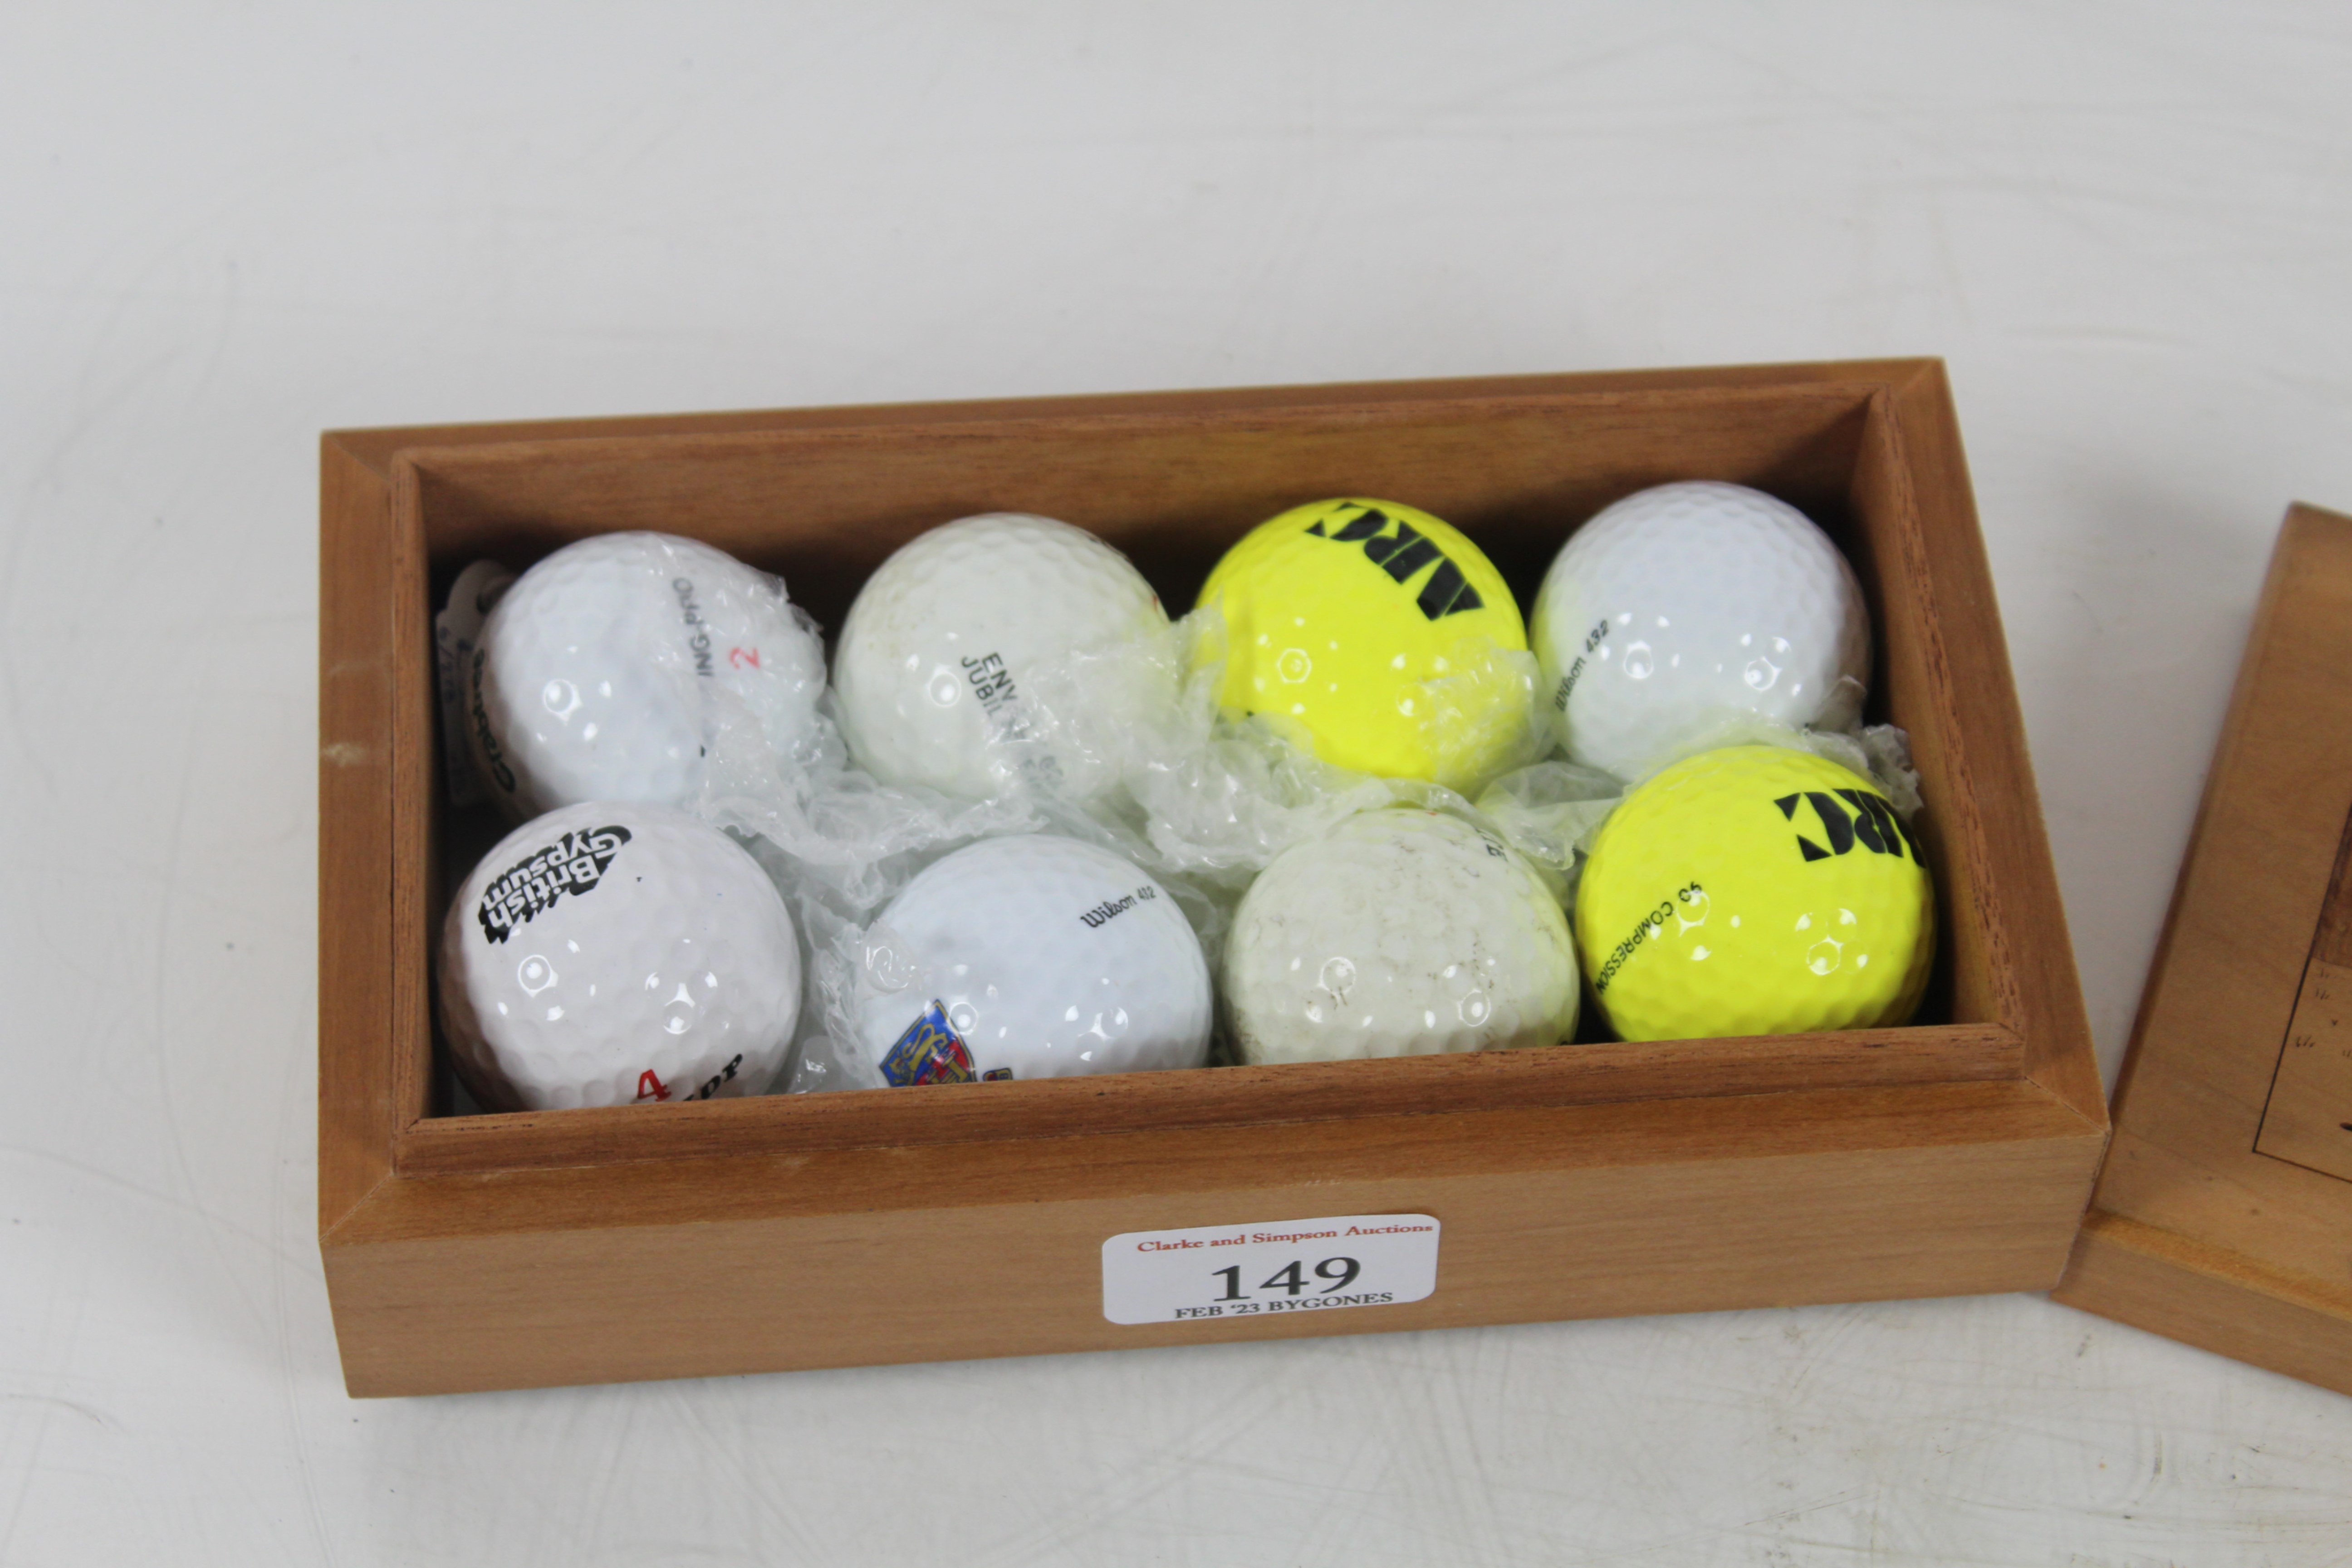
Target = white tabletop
(230,226)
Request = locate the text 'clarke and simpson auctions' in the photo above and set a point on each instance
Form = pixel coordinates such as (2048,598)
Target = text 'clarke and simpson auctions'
(1240,1238)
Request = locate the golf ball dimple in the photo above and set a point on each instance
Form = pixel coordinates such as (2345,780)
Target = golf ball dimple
(1683,605)
(938,671)
(1400,932)
(1377,635)
(1032,956)
(615,953)
(606,668)
(1755,890)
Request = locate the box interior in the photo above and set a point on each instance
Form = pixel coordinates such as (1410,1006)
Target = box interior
(822,507)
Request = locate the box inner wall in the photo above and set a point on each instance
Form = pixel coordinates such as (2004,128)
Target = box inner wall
(823,508)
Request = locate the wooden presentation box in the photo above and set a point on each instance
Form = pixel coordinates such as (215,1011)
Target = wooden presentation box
(475,1252)
(2224,1215)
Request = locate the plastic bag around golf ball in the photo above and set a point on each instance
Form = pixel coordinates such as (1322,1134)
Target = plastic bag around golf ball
(610,669)
(456,631)
(1683,604)
(1002,653)
(1399,933)
(1021,957)
(614,952)
(1553,811)
(1378,637)
(1221,795)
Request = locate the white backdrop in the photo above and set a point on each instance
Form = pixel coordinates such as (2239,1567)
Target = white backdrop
(227,226)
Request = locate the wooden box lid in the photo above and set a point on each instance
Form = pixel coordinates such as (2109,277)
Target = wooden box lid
(2223,1217)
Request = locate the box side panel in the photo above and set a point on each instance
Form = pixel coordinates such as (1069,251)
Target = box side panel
(377,447)
(825,503)
(359,1110)
(825,507)
(1594,1211)
(2013,906)
(2210,1298)
(1911,683)
(1228,1097)
(2220,999)
(419,812)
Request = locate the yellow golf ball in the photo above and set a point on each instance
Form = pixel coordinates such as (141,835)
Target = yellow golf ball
(1755,890)
(1374,633)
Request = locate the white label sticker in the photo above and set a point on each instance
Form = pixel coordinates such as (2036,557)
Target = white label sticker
(1257,1270)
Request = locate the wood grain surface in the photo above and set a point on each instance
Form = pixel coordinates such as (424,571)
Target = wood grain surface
(2210,1203)
(360,1114)
(1233,1096)
(2308,1120)
(2222,1299)
(949,1252)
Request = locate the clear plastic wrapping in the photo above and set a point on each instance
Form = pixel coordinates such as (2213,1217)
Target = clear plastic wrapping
(659,669)
(614,668)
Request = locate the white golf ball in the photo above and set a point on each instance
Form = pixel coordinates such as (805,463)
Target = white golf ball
(1033,957)
(613,954)
(1399,933)
(1685,605)
(940,660)
(604,672)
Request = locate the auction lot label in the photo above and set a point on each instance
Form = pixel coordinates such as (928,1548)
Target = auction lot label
(1218,1271)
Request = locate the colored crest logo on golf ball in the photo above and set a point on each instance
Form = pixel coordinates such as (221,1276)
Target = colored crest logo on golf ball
(1755,890)
(1032,956)
(1380,636)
